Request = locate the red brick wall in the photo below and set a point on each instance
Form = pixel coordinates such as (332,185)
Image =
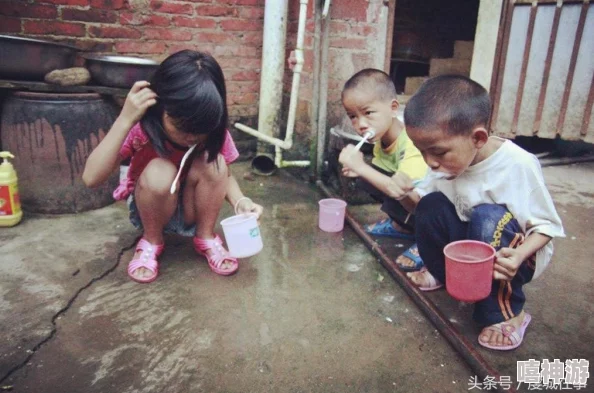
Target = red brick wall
(229,29)
(354,32)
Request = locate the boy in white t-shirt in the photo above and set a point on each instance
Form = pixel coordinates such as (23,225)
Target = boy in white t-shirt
(493,191)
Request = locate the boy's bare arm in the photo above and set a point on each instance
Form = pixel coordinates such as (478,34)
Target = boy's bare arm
(395,187)
(508,260)
(410,201)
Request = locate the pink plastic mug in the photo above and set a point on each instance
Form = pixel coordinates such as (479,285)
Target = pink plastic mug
(469,269)
(331,217)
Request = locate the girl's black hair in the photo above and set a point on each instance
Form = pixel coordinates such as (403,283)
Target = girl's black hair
(190,87)
(453,103)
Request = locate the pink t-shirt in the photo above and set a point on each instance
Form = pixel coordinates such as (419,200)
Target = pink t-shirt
(139,149)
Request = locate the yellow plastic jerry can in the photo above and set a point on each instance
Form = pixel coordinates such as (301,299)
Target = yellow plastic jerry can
(10,204)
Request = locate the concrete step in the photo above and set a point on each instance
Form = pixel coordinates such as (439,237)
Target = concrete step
(449,66)
(463,49)
(413,83)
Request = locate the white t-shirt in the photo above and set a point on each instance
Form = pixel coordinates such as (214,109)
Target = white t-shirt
(511,177)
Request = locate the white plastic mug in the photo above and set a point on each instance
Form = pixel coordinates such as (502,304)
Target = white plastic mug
(242,235)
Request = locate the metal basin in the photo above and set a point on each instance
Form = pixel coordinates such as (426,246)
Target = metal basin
(29,59)
(119,71)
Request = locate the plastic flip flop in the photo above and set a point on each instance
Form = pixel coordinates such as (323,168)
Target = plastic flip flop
(516,336)
(428,277)
(412,253)
(385,228)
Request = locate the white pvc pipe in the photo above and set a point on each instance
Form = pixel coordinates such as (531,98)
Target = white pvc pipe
(273,66)
(296,73)
(260,135)
(326,8)
(265,122)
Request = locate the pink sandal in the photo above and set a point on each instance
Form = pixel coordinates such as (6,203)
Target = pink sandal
(219,255)
(147,260)
(516,336)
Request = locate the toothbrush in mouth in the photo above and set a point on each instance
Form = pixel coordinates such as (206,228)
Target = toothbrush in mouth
(368,135)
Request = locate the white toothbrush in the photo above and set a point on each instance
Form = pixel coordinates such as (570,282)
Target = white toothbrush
(369,134)
(181,167)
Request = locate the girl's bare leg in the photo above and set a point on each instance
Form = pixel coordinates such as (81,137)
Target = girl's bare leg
(155,204)
(204,195)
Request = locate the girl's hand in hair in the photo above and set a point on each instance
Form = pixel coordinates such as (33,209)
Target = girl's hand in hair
(139,99)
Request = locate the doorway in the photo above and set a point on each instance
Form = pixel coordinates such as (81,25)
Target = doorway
(431,37)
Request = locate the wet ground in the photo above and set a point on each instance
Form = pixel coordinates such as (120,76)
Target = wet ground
(313,312)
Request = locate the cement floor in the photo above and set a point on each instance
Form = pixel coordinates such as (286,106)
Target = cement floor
(313,312)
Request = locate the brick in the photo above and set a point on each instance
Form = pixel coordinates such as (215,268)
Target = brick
(129,18)
(140,47)
(26,10)
(348,43)
(207,48)
(245,99)
(239,51)
(362,60)
(363,30)
(172,8)
(168,34)
(253,38)
(53,27)
(204,23)
(109,4)
(241,87)
(113,32)
(95,46)
(216,10)
(244,76)
(10,25)
(243,25)
(349,9)
(339,27)
(66,2)
(215,38)
(251,13)
(99,16)
(242,2)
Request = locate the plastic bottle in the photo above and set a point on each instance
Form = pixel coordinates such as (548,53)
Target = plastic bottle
(10,204)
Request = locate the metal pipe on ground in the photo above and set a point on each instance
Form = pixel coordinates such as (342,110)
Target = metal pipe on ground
(464,348)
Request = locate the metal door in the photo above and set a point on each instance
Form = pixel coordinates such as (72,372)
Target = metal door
(544,72)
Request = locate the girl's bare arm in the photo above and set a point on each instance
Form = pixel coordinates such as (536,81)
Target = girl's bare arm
(105,158)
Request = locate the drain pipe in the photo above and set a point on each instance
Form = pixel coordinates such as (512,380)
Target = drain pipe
(270,110)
